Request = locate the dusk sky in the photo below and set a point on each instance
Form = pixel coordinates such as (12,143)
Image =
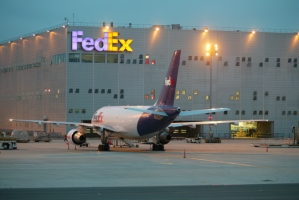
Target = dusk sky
(21,17)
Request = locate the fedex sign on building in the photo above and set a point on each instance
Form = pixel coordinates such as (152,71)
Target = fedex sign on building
(89,44)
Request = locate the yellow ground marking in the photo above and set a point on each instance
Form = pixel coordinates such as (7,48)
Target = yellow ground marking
(216,161)
(166,163)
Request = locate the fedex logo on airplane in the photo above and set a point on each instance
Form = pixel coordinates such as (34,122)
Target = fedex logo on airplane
(169,81)
(89,44)
(98,118)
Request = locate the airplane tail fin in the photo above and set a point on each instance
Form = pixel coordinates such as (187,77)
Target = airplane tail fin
(166,97)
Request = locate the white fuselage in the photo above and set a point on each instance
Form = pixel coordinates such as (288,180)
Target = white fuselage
(122,120)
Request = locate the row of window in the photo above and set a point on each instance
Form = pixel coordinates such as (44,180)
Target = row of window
(59,58)
(101,58)
(77,111)
(243,59)
(259,112)
(122,91)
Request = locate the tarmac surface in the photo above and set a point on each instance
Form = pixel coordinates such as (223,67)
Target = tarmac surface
(51,168)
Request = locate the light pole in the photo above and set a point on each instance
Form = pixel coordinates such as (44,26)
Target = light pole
(212,50)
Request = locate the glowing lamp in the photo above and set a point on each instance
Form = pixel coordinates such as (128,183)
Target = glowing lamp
(253,32)
(107,27)
(33,34)
(210,117)
(216,54)
(63,26)
(208,46)
(208,54)
(206,30)
(157,29)
(8,41)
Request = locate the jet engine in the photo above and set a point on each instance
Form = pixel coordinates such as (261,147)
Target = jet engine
(76,137)
(164,138)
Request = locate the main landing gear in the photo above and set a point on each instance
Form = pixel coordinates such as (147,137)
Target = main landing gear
(104,147)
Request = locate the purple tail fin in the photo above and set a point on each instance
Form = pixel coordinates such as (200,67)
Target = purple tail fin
(166,97)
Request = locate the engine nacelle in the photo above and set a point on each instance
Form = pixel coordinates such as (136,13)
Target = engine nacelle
(164,138)
(76,137)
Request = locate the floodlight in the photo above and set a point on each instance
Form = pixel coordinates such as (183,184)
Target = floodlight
(157,29)
(206,30)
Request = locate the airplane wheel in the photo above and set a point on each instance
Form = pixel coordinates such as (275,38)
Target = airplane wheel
(130,146)
(137,146)
(121,146)
(5,146)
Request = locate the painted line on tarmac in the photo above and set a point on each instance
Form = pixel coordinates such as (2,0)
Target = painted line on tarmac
(216,161)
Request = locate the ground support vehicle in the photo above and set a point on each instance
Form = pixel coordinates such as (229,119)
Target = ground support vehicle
(194,140)
(7,143)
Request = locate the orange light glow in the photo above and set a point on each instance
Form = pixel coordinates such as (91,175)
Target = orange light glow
(206,30)
(253,32)
(157,29)
(208,54)
(208,46)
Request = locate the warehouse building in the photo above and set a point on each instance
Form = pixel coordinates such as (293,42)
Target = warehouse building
(66,73)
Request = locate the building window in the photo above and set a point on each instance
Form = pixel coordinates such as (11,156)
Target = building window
(77,111)
(153,62)
(237,63)
(146,96)
(266,112)
(146,56)
(134,61)
(295,60)
(195,92)
(237,59)
(195,57)
(231,97)
(96,91)
(89,90)
(289,60)
(208,63)
(283,113)
(283,98)
(70,110)
(237,98)
(249,59)
(99,58)
(237,93)
(122,91)
(177,97)
(141,62)
(77,90)
(261,64)
(177,92)
(295,113)
(254,98)
(278,98)
(153,92)
(146,62)
(202,58)
(289,112)
(295,65)
(153,96)
(243,112)
(237,112)
(243,59)
(86,58)
(189,97)
(121,96)
(115,96)
(128,61)
(122,55)
(255,93)
(249,64)
(225,63)
(112,58)
(189,57)
(266,93)
(141,56)
(74,57)
(184,62)
(261,112)
(219,58)
(109,91)
(254,112)
(277,64)
(225,112)
(278,60)
(266,59)
(103,91)
(122,61)
(83,111)
(183,92)
(71,90)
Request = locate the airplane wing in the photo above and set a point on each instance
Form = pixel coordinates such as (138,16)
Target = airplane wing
(72,124)
(193,124)
(198,112)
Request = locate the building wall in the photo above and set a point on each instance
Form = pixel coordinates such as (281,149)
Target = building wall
(137,80)
(32,93)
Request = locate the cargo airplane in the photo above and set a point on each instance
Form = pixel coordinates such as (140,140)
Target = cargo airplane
(139,122)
